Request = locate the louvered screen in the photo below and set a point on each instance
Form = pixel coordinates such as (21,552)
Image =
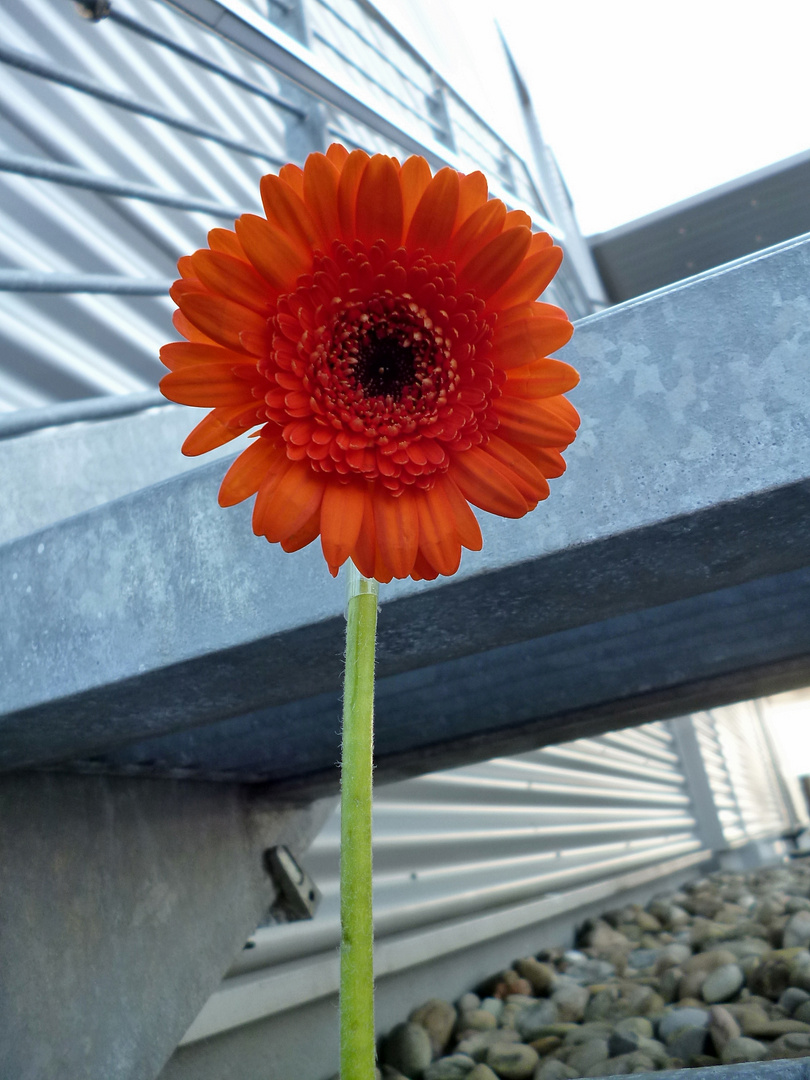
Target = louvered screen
(458,843)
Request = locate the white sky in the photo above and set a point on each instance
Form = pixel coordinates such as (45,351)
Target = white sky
(643,102)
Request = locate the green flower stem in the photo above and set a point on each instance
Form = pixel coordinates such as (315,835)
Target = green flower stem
(357,931)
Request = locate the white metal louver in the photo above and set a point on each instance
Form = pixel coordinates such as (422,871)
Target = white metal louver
(124,140)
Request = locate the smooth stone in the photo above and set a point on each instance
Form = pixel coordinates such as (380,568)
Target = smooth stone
(531,1021)
(643,958)
(640,1062)
(722,1026)
(637,1025)
(609,1067)
(570,1002)
(438,1018)
(792,998)
(512,1061)
(669,984)
(468,1002)
(790,1046)
(746,946)
(388,1073)
(601,1004)
(797,930)
(722,984)
(541,976)
(478,1020)
(546,1045)
(482,1072)
(477,1045)
(493,1005)
(673,1021)
(688,1043)
(803,1013)
(773,1029)
(560,1030)
(623,1042)
(453,1067)
(587,1054)
(591,971)
(555,1070)
(408,1049)
(741,1049)
(510,1014)
(583,1033)
(672,955)
(654,1050)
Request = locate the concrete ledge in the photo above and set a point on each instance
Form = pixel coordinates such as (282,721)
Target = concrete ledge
(688,486)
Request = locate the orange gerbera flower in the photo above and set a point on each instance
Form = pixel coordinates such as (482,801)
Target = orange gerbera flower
(380,324)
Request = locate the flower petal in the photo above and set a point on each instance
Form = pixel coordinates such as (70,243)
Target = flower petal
(208,385)
(341,520)
(365,549)
(472,194)
(233,278)
(338,155)
(304,534)
(542,379)
(487,271)
(477,231)
(467,527)
(222,320)
(520,341)
(181,354)
(189,331)
(436,213)
(531,484)
(287,212)
(379,203)
(414,177)
(227,242)
(279,261)
(438,538)
(293,176)
(397,524)
(251,468)
(219,427)
(296,497)
(488,484)
(321,180)
(350,177)
(532,422)
(529,280)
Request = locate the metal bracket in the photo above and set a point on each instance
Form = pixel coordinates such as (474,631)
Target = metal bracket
(298,895)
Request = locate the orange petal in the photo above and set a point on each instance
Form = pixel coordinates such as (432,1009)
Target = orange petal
(185,268)
(467,527)
(338,155)
(233,278)
(549,462)
(520,341)
(414,177)
(472,194)
(219,427)
(321,179)
(540,241)
(350,177)
(225,241)
(189,331)
(517,217)
(263,507)
(438,539)
(422,569)
(545,378)
(531,483)
(287,212)
(481,226)
(221,319)
(562,407)
(279,260)
(488,484)
(397,524)
(487,271)
(293,176)
(341,520)
(365,549)
(529,279)
(180,354)
(295,499)
(207,385)
(379,203)
(246,474)
(532,422)
(435,215)
(303,535)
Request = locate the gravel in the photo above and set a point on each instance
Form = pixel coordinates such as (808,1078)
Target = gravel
(718,972)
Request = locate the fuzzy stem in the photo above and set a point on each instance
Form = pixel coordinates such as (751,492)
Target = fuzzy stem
(357,932)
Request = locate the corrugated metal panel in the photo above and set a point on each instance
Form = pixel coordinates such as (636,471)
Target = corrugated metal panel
(123,141)
(455,844)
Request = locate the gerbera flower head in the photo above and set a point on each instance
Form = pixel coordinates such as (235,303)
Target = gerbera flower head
(380,327)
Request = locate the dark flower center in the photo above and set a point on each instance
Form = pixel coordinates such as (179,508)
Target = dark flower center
(385,365)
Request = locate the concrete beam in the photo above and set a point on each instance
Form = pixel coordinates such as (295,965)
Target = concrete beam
(123,904)
(685,506)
